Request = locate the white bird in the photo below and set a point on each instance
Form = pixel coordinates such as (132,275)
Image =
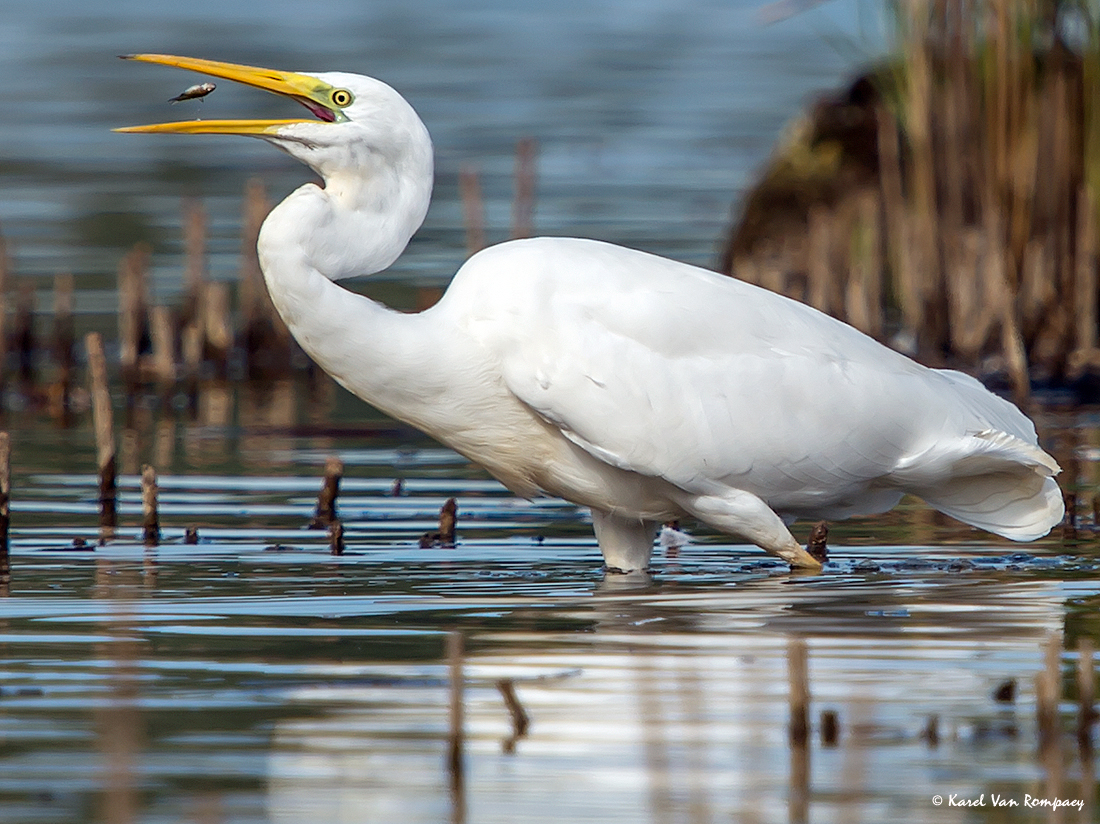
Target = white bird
(643,388)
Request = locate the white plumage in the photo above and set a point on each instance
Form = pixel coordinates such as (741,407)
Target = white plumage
(643,388)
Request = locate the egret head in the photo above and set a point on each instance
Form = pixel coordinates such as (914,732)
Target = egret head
(364,140)
(359,124)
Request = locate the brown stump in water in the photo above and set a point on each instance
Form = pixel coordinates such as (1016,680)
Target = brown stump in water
(473,208)
(194,246)
(325,516)
(455,655)
(336,538)
(23,336)
(217,329)
(5,506)
(133,312)
(150,519)
(520,720)
(264,337)
(830,728)
(1086,695)
(931,732)
(1048,690)
(448,524)
(1005,692)
(1069,525)
(799,729)
(817,544)
(104,436)
(5,268)
(163,365)
(63,346)
(799,692)
(523,205)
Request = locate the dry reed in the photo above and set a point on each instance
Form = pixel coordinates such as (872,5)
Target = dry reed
(947,200)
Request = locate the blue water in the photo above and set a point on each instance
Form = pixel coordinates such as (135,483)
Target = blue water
(651,117)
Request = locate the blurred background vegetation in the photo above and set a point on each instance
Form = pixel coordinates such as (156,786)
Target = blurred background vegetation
(946,200)
(943,200)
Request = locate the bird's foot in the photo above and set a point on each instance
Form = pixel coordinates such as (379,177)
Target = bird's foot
(799,558)
(614,570)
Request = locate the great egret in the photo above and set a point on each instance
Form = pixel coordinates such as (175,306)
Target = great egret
(645,389)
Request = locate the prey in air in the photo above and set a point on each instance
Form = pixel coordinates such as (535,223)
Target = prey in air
(196,92)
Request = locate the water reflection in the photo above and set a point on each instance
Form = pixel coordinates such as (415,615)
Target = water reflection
(254,677)
(665,727)
(272,685)
(117,719)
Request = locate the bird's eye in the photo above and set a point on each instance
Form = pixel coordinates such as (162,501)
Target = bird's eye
(342,97)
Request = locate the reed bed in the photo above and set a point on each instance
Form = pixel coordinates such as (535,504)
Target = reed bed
(946,201)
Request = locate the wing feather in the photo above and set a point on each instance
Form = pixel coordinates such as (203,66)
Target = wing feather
(674,372)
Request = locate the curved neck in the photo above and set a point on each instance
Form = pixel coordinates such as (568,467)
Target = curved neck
(353,226)
(383,356)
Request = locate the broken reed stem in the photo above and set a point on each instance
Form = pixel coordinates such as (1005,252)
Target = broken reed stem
(325,515)
(150,519)
(63,340)
(5,507)
(799,692)
(830,728)
(931,732)
(194,249)
(191,356)
(818,272)
(336,538)
(5,271)
(455,655)
(1086,694)
(448,523)
(1085,294)
(23,333)
(1047,692)
(133,291)
(1069,525)
(103,419)
(520,719)
(473,208)
(217,329)
(523,206)
(798,802)
(251,290)
(164,355)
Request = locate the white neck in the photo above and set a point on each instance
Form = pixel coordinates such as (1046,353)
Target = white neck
(381,355)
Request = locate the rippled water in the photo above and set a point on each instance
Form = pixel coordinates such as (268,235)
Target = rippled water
(256,677)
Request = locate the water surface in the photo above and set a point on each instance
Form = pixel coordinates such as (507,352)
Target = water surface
(255,677)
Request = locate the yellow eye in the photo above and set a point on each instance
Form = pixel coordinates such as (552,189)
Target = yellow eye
(342,98)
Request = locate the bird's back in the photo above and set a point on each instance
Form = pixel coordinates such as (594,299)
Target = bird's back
(676,372)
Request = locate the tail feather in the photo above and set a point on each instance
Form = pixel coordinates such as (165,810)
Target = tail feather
(991,480)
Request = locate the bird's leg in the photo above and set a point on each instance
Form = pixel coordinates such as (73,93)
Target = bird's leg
(744,514)
(626,543)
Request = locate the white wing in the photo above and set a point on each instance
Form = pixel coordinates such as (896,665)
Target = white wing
(671,371)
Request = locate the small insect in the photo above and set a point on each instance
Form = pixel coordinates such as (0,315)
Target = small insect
(199,91)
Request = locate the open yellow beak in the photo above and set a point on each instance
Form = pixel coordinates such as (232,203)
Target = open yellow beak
(311,92)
